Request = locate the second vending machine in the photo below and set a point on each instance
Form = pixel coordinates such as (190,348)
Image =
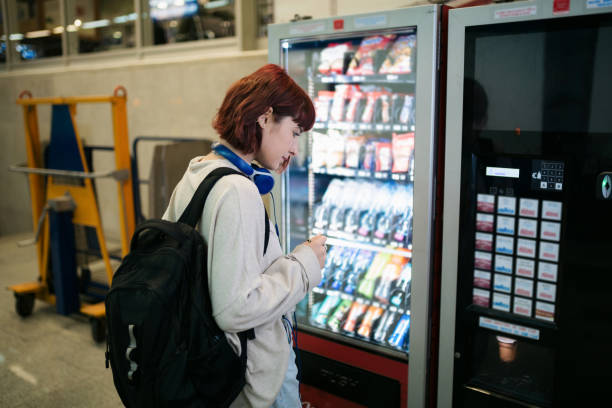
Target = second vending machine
(365,178)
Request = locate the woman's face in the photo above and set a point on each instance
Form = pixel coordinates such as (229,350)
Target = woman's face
(279,142)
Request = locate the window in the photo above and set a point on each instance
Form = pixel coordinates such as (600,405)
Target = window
(38,30)
(176,21)
(265,16)
(95,25)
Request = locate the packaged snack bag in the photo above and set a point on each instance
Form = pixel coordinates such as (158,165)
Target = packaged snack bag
(335,149)
(322,105)
(332,58)
(354,106)
(399,59)
(339,102)
(355,150)
(384,158)
(363,61)
(320,145)
(403,145)
(406,114)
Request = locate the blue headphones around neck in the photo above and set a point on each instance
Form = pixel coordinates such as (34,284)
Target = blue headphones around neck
(261,177)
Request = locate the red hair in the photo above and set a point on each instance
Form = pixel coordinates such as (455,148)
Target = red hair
(250,97)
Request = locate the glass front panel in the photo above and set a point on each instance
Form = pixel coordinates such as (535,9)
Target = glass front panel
(101,25)
(2,40)
(353,182)
(174,21)
(39,30)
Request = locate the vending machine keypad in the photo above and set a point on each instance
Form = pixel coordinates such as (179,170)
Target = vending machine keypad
(516,254)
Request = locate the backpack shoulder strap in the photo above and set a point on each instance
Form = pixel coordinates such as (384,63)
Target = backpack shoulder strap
(267,223)
(193,212)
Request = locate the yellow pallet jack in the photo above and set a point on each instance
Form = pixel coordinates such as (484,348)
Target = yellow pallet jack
(62,194)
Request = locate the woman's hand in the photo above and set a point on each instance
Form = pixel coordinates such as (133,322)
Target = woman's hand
(317,243)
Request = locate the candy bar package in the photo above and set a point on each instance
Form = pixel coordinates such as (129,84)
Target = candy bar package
(355,105)
(406,113)
(343,92)
(369,155)
(335,149)
(399,59)
(332,58)
(363,61)
(403,145)
(355,151)
(319,149)
(322,105)
(369,108)
(384,158)
(383,111)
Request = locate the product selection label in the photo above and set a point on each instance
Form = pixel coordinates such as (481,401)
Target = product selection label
(526,247)
(501,302)
(545,311)
(503,264)
(525,267)
(528,207)
(482,260)
(481,297)
(504,245)
(482,279)
(522,306)
(484,241)
(485,203)
(550,230)
(502,283)
(546,291)
(549,251)
(506,205)
(547,271)
(484,222)
(523,287)
(527,228)
(505,225)
(551,210)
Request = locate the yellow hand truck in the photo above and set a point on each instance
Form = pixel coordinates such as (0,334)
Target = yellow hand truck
(60,188)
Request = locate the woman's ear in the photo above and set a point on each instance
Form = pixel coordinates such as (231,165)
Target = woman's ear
(264,118)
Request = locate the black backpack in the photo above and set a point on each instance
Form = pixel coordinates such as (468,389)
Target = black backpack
(163,345)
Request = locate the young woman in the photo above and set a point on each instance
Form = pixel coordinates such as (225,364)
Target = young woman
(260,119)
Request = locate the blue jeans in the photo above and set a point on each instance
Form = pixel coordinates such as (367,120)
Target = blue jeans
(289,394)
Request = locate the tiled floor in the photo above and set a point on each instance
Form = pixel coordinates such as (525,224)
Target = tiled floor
(46,359)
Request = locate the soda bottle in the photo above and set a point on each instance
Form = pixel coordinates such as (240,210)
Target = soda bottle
(400,296)
(373,314)
(366,287)
(356,311)
(389,276)
(329,303)
(400,332)
(384,326)
(336,318)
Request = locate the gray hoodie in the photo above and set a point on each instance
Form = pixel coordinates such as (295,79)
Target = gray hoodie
(248,290)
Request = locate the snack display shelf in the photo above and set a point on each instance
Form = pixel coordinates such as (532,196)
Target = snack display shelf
(379,127)
(371,79)
(361,173)
(357,241)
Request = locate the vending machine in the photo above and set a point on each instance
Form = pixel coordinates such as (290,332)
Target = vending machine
(364,177)
(527,231)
